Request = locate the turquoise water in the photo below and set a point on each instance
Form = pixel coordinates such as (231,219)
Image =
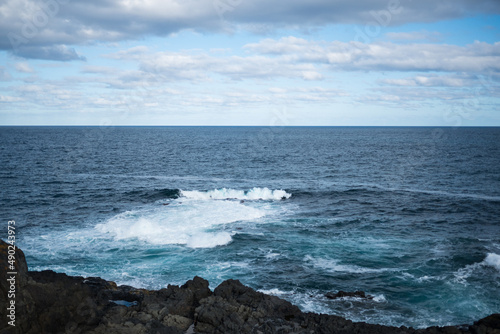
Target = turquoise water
(408,215)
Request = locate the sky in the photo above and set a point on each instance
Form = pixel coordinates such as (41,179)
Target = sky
(250,62)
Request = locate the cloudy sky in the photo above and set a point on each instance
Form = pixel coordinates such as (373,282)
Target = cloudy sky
(250,62)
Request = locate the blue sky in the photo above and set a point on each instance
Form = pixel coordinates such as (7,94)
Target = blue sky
(242,62)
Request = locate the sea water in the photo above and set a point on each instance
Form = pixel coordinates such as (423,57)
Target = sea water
(411,216)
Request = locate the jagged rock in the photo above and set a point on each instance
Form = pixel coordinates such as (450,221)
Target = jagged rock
(233,290)
(176,300)
(488,325)
(50,302)
(177,321)
(237,308)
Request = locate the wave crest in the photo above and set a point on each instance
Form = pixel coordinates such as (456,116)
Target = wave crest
(463,274)
(493,260)
(225,193)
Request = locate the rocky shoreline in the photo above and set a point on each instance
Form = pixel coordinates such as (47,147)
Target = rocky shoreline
(50,302)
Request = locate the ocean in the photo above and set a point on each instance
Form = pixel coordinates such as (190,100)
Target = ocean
(410,215)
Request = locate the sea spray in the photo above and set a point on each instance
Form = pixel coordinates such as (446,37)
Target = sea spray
(192,222)
(224,193)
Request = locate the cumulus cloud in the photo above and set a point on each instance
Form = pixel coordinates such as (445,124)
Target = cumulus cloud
(49,95)
(312,75)
(200,66)
(29,24)
(386,56)
(303,61)
(432,81)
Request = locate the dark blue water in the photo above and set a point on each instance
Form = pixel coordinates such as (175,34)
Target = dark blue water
(409,215)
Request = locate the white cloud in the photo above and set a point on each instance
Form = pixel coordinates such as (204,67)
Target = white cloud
(50,95)
(5,98)
(432,80)
(199,66)
(56,25)
(277,90)
(385,56)
(301,59)
(24,68)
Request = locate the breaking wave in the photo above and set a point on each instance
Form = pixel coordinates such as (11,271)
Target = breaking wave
(224,193)
(192,219)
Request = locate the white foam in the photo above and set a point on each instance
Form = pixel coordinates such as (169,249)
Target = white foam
(274,292)
(493,260)
(224,193)
(192,223)
(426,278)
(372,298)
(462,274)
(379,298)
(272,255)
(209,240)
(331,265)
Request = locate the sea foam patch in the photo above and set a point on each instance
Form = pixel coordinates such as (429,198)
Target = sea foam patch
(493,260)
(194,223)
(332,265)
(463,274)
(224,193)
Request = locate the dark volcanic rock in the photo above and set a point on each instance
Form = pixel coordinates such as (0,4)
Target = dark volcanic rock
(488,325)
(50,302)
(237,308)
